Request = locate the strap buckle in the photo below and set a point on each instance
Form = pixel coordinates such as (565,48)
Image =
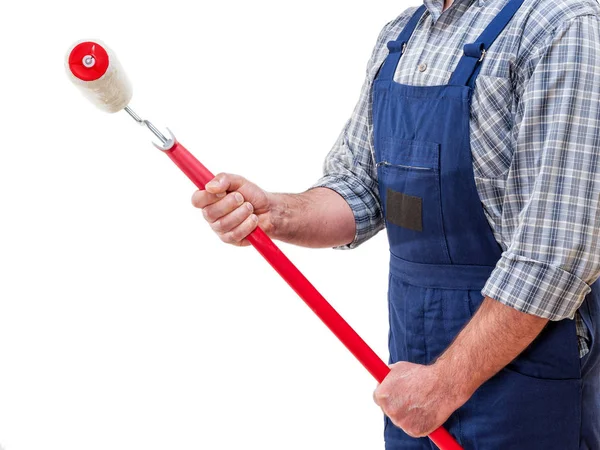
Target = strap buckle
(475,50)
(396,46)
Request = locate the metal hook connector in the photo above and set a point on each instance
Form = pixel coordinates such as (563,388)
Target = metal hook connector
(166,143)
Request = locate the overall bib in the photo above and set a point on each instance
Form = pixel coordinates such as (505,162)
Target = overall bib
(442,251)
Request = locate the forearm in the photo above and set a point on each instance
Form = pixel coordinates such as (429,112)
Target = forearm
(495,336)
(317,218)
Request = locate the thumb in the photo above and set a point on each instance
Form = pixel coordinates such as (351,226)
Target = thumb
(225,182)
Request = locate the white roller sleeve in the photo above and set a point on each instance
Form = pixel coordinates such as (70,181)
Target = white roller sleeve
(112,91)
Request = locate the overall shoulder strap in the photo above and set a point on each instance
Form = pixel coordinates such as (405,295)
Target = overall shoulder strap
(396,47)
(469,65)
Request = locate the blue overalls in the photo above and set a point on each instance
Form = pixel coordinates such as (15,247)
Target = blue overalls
(442,251)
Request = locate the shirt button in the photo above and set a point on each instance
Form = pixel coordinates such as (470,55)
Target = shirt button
(422,67)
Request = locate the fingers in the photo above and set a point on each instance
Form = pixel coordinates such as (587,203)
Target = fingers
(232,220)
(238,235)
(226,210)
(216,189)
(201,199)
(377,398)
(413,399)
(382,398)
(224,206)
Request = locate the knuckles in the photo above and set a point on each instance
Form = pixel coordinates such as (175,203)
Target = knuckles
(217,226)
(415,430)
(238,234)
(226,238)
(230,238)
(410,423)
(206,212)
(198,199)
(381,397)
(219,209)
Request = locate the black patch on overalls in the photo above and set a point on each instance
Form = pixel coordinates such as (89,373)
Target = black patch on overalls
(404,210)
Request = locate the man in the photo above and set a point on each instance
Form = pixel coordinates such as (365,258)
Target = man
(476,142)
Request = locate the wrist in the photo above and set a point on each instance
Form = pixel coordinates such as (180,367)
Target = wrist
(278,221)
(460,382)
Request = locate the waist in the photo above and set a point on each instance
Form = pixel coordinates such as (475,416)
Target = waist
(441,276)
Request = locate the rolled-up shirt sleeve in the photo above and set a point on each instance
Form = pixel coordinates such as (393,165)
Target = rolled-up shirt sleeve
(356,183)
(349,168)
(554,253)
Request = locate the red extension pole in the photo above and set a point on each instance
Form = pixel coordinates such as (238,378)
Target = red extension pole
(200,175)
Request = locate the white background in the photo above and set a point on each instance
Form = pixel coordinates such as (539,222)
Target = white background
(125,323)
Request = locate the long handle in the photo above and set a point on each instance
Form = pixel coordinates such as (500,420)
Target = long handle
(200,175)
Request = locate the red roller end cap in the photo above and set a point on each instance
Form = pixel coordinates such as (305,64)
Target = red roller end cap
(88,61)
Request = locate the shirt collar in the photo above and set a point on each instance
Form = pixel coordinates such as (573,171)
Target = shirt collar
(435,6)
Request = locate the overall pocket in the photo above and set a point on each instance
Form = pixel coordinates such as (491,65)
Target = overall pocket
(409,186)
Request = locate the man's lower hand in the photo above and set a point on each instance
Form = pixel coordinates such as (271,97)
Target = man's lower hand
(418,399)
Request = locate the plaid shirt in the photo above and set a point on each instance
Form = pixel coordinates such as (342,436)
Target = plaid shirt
(535,140)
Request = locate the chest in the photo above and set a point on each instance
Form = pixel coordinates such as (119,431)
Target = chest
(431,56)
(436,46)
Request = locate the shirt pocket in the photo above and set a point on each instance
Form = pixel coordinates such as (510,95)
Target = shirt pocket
(492,126)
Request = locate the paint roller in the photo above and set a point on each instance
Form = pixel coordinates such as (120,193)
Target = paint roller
(96,71)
